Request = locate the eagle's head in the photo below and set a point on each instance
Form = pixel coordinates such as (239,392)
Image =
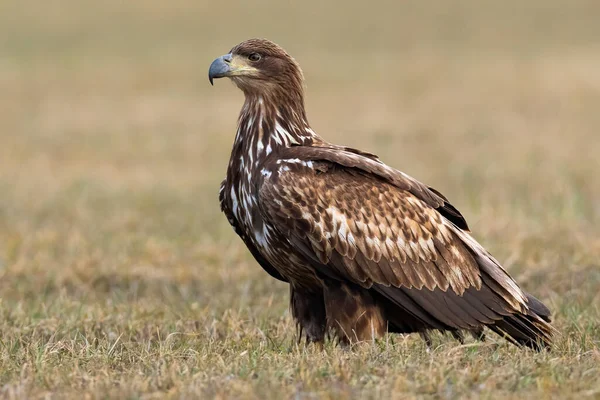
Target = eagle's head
(259,67)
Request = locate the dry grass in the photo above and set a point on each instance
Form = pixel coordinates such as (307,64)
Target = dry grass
(119,278)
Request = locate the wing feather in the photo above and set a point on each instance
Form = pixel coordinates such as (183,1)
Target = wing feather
(361,222)
(352,158)
(369,230)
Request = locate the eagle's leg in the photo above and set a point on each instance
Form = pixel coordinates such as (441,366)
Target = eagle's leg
(352,313)
(427,338)
(308,309)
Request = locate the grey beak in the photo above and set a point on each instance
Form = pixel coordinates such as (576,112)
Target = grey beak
(219,68)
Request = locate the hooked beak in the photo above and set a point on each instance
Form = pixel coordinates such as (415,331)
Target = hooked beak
(220,68)
(230,65)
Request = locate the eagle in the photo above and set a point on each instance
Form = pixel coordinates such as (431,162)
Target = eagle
(365,248)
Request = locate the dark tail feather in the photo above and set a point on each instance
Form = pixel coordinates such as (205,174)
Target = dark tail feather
(538,308)
(412,310)
(532,330)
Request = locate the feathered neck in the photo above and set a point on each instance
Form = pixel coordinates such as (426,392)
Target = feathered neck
(268,122)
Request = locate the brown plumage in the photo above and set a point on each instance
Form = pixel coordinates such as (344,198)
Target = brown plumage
(365,248)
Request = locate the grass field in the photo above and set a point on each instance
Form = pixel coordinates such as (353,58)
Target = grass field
(119,277)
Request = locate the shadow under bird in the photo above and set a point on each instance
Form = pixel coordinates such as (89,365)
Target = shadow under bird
(365,248)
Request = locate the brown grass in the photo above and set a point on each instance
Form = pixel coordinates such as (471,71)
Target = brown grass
(119,278)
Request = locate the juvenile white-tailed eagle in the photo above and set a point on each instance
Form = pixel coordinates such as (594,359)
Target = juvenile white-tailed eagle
(365,248)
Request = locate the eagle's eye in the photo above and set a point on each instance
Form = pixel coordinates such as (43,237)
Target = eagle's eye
(254,57)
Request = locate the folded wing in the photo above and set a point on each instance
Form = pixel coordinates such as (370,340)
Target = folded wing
(392,235)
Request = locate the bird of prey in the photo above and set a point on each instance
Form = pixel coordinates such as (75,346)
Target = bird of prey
(365,248)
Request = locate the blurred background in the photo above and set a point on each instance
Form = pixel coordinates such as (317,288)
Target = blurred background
(113,145)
